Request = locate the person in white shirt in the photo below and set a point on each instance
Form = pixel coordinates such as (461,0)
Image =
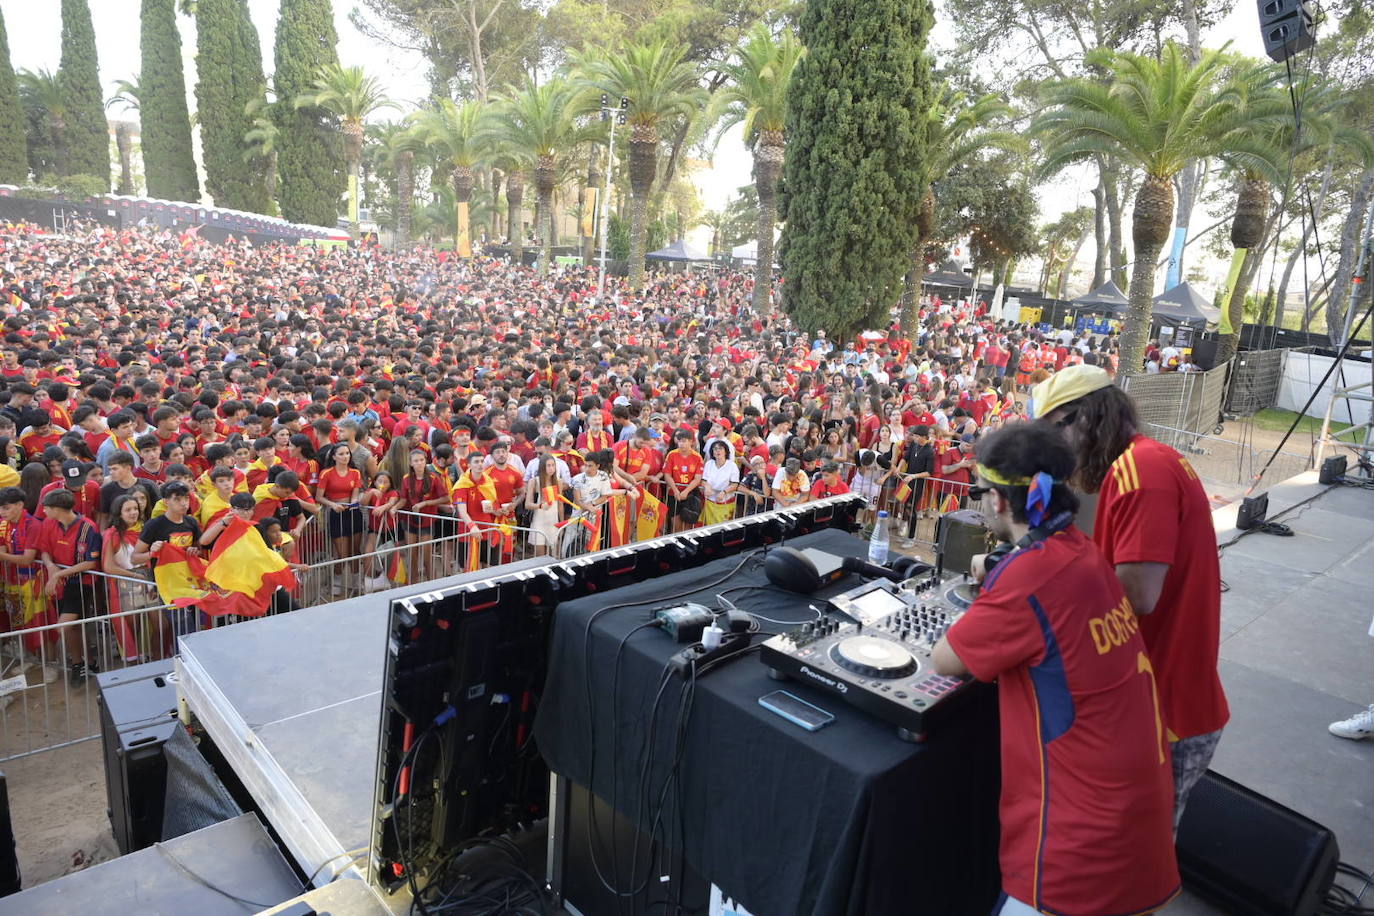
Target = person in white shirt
(541,448)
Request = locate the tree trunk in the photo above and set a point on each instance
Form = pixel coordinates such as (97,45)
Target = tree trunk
(1100,234)
(494,228)
(462,195)
(768,159)
(589,220)
(643,164)
(543,187)
(1280,301)
(1352,241)
(59,143)
(1063,288)
(1228,344)
(353,152)
(1150,224)
(405,196)
(515,228)
(1115,239)
(124,141)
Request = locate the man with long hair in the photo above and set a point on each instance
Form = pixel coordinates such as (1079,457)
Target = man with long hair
(1154,524)
(1086,788)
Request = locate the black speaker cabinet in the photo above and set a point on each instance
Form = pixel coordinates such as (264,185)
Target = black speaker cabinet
(9,856)
(1251,855)
(960,536)
(138,709)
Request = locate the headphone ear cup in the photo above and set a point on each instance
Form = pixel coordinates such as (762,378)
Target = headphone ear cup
(906,567)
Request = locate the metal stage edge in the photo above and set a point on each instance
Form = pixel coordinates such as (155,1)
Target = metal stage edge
(293,702)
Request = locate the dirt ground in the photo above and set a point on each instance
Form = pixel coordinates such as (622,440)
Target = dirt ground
(57,806)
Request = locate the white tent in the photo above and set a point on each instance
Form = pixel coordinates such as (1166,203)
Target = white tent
(748,252)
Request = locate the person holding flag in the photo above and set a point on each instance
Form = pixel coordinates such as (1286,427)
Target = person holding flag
(244,572)
(476,503)
(545,499)
(170,543)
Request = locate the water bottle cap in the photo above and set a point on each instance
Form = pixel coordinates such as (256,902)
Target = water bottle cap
(882,513)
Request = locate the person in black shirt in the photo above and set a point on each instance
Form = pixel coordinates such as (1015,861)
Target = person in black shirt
(123,482)
(178,529)
(917,465)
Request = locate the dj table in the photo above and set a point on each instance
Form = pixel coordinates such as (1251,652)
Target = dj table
(847,819)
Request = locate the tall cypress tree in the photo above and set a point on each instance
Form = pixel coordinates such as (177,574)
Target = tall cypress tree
(310,164)
(14,153)
(168,162)
(78,75)
(853,179)
(229,76)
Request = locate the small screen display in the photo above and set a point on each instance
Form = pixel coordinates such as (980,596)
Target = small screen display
(877,603)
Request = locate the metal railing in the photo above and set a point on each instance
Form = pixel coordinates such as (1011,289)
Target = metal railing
(1227,462)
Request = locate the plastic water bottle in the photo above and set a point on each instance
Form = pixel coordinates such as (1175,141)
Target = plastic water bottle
(878,541)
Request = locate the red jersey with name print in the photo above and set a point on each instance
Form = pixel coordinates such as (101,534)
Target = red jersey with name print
(1153,509)
(1087,785)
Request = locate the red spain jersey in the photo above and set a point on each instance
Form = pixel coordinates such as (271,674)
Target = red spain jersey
(682,467)
(1087,785)
(1153,509)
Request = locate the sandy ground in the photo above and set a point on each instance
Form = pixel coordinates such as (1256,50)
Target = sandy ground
(57,806)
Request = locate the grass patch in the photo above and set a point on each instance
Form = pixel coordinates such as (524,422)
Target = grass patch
(1278,421)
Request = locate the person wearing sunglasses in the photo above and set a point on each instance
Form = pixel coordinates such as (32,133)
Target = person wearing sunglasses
(1087,792)
(1154,525)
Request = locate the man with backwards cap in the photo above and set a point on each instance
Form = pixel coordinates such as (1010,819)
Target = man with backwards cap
(1087,793)
(1154,524)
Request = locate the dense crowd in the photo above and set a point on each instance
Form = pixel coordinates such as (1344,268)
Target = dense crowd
(155,385)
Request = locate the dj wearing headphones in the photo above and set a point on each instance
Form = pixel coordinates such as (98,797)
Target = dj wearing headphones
(1087,790)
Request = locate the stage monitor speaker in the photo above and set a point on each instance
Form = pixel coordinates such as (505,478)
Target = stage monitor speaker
(1286,27)
(138,713)
(1249,854)
(9,857)
(959,537)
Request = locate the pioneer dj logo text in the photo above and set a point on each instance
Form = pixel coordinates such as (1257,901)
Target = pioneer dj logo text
(1114,628)
(830,682)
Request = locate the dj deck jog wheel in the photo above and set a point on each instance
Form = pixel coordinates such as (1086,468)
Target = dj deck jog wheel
(874,657)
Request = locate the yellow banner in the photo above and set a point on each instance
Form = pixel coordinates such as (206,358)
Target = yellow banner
(463,242)
(589,214)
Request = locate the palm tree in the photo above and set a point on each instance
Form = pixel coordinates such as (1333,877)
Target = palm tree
(755,95)
(1157,115)
(957,131)
(456,134)
(539,124)
(260,145)
(39,90)
(351,96)
(399,144)
(513,164)
(127,95)
(663,88)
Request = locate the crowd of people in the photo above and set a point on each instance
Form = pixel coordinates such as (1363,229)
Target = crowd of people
(361,396)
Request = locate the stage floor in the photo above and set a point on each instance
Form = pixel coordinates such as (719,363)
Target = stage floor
(294,703)
(1296,655)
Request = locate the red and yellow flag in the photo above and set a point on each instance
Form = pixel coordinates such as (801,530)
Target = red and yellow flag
(178,574)
(244,571)
(652,515)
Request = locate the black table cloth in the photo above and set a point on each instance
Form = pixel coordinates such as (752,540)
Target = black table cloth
(848,819)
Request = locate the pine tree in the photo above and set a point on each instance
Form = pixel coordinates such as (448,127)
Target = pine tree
(88,134)
(310,162)
(853,178)
(14,156)
(168,162)
(229,66)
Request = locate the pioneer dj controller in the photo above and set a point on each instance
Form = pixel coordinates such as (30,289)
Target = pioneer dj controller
(878,659)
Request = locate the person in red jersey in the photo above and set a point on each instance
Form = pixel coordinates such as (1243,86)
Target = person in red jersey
(682,468)
(1154,524)
(1087,790)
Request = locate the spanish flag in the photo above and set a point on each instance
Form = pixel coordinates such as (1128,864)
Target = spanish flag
(211,509)
(178,574)
(244,571)
(652,514)
(903,491)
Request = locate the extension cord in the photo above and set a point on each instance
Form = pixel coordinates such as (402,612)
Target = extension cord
(698,654)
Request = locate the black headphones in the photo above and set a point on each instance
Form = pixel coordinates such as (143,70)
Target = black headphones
(1035,535)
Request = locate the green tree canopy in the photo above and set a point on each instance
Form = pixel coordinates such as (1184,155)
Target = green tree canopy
(229,81)
(310,158)
(14,156)
(87,134)
(854,175)
(169,164)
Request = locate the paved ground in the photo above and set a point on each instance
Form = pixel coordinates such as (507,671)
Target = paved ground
(1296,655)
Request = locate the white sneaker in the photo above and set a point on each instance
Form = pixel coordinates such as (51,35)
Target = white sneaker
(1357,727)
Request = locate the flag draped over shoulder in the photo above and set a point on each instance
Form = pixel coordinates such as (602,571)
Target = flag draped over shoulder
(244,571)
(178,574)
